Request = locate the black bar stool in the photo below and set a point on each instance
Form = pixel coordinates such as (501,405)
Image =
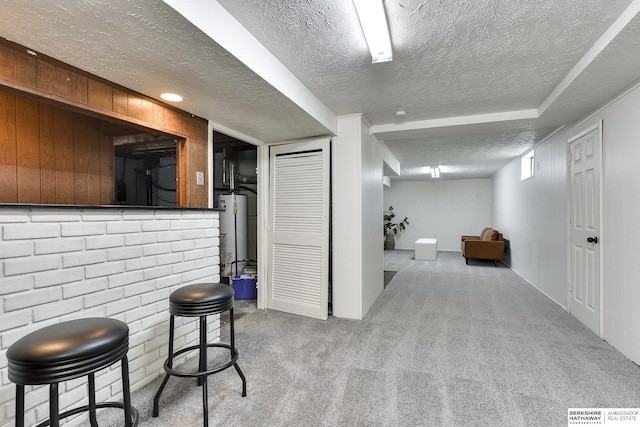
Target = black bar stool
(69,350)
(200,300)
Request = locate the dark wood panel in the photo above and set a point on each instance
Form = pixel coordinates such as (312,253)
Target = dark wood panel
(182,171)
(158,114)
(17,66)
(120,102)
(28,150)
(63,125)
(81,161)
(107,190)
(62,82)
(47,153)
(173,120)
(100,95)
(197,161)
(93,168)
(8,154)
(139,108)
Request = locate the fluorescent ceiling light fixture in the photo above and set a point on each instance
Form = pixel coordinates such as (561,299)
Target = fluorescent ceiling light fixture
(172,97)
(374,27)
(426,170)
(435,172)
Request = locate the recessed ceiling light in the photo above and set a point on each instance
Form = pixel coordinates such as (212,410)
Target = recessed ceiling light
(171,97)
(401,113)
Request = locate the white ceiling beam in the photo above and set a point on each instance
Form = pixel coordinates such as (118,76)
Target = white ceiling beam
(612,32)
(214,20)
(454,121)
(391,165)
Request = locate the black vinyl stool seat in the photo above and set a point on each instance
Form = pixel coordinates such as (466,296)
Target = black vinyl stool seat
(201,300)
(69,350)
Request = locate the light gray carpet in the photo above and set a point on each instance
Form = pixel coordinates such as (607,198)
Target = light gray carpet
(445,345)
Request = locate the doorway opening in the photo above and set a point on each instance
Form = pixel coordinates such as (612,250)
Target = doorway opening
(236,191)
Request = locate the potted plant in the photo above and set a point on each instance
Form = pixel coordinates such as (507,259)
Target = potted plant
(391,228)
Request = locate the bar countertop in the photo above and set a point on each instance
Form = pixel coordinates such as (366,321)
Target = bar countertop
(98,207)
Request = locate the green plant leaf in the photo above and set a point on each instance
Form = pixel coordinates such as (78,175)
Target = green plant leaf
(390,226)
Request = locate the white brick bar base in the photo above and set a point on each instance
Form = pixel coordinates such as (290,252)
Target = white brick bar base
(63,263)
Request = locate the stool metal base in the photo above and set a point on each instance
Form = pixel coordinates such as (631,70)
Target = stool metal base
(232,362)
(202,372)
(135,417)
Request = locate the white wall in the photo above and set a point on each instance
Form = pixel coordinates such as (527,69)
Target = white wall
(59,264)
(620,232)
(532,215)
(357,202)
(346,232)
(444,209)
(372,242)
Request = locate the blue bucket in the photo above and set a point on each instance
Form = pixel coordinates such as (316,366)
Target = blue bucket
(245,287)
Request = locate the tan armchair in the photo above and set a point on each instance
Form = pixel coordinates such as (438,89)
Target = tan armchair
(488,245)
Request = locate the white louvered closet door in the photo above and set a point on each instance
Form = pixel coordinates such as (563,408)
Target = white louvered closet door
(299,273)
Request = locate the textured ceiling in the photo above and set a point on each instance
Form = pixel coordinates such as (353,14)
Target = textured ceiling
(475,151)
(146,46)
(450,58)
(453,59)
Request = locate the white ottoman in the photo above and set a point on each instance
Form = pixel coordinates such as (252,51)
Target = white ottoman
(426,249)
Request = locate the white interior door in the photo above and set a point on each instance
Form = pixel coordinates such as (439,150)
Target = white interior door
(585,229)
(299,236)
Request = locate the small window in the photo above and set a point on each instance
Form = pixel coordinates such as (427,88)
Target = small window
(526,166)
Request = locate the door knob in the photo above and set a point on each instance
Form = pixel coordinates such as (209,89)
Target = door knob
(592,239)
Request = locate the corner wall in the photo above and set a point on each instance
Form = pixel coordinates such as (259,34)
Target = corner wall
(372,241)
(357,241)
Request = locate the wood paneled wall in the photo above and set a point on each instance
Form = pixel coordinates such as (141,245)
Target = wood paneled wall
(45,134)
(50,155)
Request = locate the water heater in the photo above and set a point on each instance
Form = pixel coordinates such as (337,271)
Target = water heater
(233,233)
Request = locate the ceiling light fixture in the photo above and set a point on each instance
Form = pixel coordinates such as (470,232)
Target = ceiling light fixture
(171,97)
(435,172)
(374,26)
